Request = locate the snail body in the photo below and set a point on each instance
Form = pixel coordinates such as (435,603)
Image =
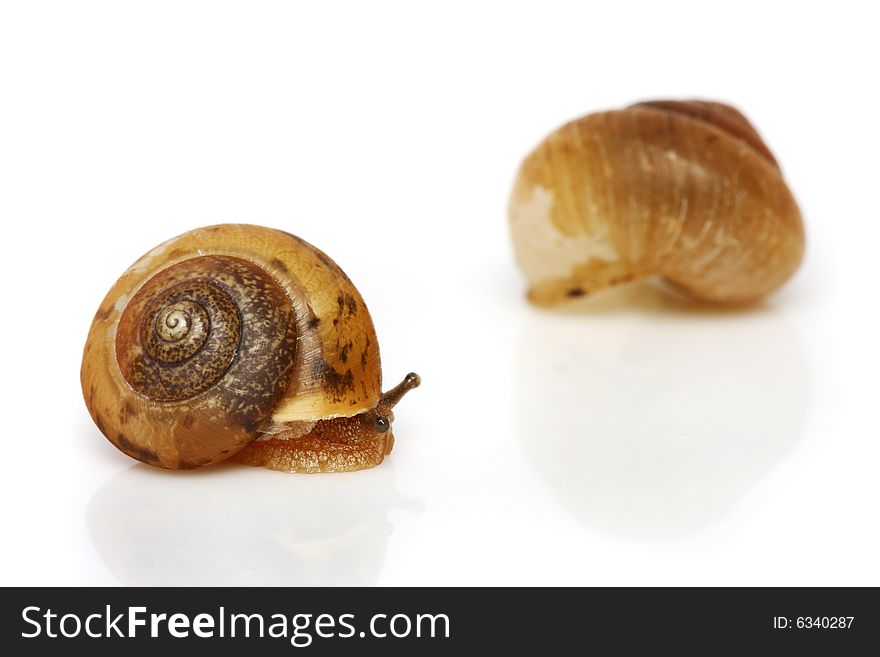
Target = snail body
(239,342)
(684,190)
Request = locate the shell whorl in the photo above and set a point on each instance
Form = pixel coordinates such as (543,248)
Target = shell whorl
(204,320)
(205,350)
(186,339)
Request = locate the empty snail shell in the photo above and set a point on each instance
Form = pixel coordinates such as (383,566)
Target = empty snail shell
(684,190)
(242,342)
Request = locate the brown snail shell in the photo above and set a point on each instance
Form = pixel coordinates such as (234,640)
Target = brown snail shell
(233,333)
(684,190)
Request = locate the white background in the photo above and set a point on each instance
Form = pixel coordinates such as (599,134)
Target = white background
(636,440)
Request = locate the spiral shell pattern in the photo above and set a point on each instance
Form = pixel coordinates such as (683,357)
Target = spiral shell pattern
(207,346)
(220,334)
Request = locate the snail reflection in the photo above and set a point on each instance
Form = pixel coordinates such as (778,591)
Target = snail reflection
(240,526)
(650,418)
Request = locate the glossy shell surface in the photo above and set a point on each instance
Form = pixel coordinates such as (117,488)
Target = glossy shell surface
(218,334)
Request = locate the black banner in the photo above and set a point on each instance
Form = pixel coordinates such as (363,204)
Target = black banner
(437,621)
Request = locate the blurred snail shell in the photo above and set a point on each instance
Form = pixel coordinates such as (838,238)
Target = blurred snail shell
(244,342)
(684,190)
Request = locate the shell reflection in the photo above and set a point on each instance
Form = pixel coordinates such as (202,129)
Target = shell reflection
(237,526)
(652,422)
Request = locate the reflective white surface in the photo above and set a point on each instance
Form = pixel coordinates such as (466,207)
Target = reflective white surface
(234,527)
(651,419)
(631,439)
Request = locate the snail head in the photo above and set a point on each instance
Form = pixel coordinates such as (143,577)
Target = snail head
(370,427)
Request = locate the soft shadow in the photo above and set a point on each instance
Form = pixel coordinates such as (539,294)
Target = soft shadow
(650,416)
(235,525)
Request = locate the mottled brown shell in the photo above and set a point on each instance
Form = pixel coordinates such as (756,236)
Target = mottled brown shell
(221,333)
(685,190)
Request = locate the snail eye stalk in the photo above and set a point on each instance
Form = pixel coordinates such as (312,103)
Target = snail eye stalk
(412,380)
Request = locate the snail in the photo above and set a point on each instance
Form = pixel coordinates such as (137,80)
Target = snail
(244,343)
(682,190)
